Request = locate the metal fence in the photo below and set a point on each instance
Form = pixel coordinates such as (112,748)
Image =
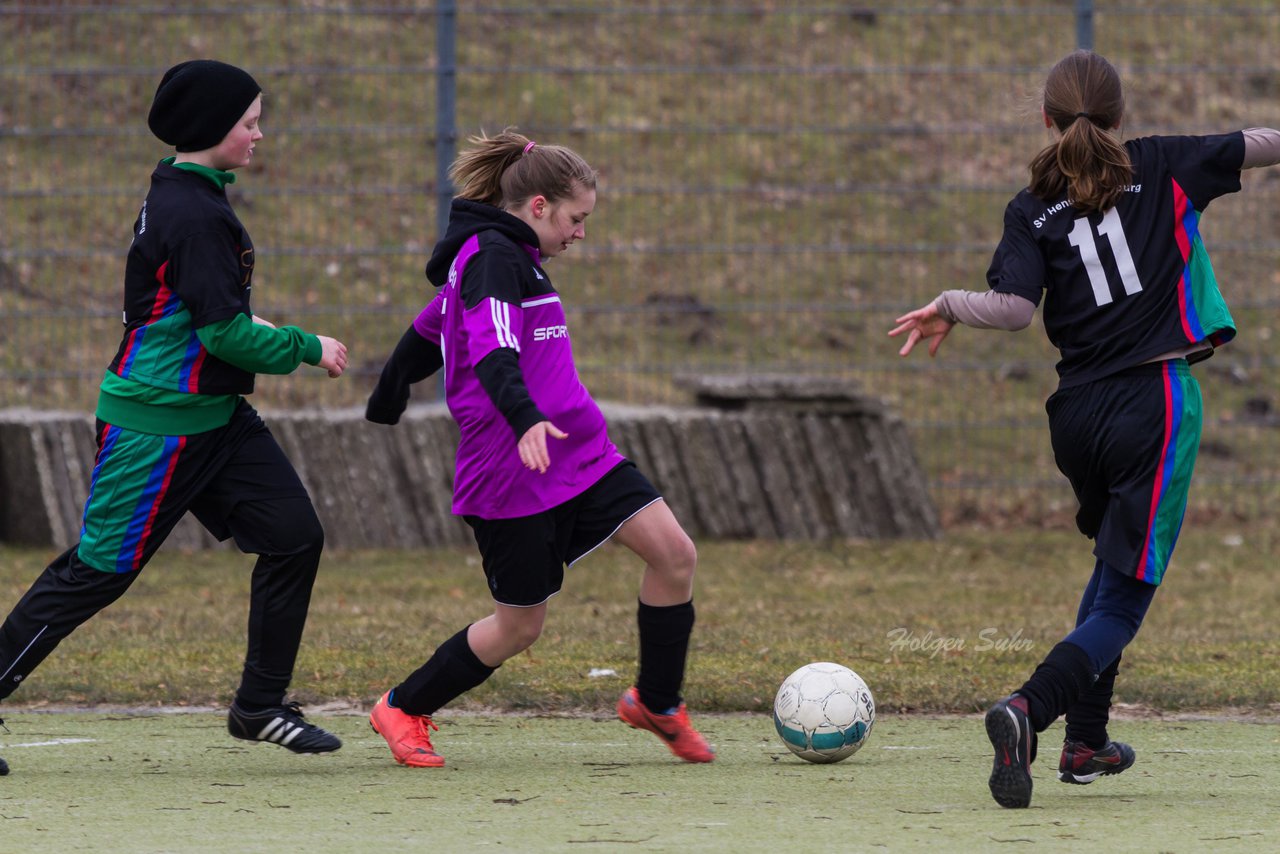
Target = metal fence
(779,180)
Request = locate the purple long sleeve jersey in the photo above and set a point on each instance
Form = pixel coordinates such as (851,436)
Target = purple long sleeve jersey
(495,296)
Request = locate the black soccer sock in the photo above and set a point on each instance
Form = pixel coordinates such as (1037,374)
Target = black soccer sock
(664,646)
(1056,684)
(251,708)
(1088,716)
(451,672)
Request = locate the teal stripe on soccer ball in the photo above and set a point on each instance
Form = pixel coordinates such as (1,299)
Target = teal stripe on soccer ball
(830,740)
(837,740)
(789,735)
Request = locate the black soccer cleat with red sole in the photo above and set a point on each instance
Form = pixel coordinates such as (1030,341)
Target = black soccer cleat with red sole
(1080,765)
(1014,740)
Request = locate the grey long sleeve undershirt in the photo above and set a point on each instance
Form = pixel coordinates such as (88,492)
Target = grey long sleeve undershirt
(1261,147)
(986,309)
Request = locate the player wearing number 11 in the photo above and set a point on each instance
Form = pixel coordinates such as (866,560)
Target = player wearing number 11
(1108,235)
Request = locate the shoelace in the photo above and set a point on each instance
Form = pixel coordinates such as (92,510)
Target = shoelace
(293,708)
(424,725)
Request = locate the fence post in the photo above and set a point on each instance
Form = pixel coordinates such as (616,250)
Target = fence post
(446,120)
(446,106)
(1084,24)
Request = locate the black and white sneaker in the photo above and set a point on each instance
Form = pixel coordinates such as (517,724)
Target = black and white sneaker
(282,725)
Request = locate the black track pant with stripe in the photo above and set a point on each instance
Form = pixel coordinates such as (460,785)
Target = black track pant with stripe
(237,481)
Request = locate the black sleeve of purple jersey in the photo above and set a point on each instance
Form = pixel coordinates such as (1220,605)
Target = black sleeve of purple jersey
(204,271)
(1017,266)
(1205,167)
(496,270)
(414,359)
(500,376)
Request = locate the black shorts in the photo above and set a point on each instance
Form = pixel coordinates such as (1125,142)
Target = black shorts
(1128,444)
(524,558)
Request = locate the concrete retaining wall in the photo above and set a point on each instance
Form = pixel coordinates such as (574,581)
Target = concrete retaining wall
(793,467)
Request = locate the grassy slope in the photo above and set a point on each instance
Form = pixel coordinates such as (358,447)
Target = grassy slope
(946,626)
(776,186)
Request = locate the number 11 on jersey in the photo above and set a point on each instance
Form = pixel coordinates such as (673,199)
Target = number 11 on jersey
(1081,237)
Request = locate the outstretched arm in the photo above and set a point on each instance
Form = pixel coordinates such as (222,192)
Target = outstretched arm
(414,359)
(256,345)
(1261,147)
(979,309)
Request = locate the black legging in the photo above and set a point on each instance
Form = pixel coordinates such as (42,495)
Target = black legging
(239,484)
(286,535)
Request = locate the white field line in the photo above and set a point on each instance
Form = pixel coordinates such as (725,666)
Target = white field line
(54,743)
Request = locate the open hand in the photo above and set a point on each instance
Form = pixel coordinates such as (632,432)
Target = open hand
(533,445)
(924,322)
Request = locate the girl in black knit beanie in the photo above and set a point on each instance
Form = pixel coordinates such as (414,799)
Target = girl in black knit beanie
(175,433)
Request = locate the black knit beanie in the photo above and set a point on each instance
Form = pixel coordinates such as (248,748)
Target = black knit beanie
(198,102)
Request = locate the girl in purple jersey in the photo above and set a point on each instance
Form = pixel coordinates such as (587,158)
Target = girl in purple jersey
(537,478)
(1107,233)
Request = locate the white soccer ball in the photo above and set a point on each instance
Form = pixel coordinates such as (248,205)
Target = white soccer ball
(824,712)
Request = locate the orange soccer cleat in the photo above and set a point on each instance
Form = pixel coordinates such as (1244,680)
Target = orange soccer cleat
(408,736)
(674,729)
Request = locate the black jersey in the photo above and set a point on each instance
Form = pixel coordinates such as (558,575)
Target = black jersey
(1130,284)
(190,265)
